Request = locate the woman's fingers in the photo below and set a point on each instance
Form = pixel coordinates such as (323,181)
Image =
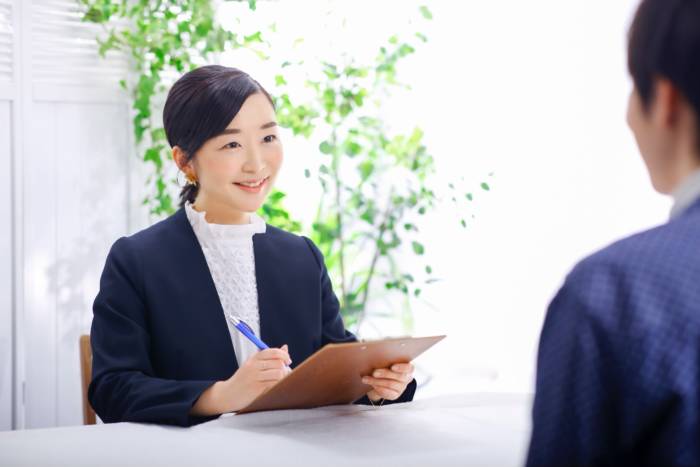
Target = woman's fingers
(275,364)
(274,354)
(379,383)
(389,383)
(402,368)
(383,393)
(397,376)
(271,375)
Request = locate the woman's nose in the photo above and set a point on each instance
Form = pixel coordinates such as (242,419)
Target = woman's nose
(254,162)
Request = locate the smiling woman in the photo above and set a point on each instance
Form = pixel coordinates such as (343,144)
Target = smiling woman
(163,351)
(227,120)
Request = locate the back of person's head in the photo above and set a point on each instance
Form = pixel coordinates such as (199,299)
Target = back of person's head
(664,42)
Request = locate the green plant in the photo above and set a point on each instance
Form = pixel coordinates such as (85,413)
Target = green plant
(376,185)
(165,38)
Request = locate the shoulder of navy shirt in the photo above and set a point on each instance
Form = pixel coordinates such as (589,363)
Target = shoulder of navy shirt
(159,336)
(618,368)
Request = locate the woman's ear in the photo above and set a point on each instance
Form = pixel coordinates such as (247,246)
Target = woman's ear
(183,163)
(180,158)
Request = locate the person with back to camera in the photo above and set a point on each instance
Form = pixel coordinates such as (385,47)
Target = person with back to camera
(618,370)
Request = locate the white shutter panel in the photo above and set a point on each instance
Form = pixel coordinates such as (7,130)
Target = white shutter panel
(65,51)
(7,41)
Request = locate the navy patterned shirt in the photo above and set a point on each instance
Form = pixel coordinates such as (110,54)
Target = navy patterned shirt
(618,368)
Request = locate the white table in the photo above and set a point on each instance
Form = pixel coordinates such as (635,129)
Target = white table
(460,430)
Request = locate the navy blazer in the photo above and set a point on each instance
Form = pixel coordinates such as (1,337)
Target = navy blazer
(159,335)
(618,370)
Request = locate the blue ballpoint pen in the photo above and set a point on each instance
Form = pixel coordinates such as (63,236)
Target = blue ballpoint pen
(246,331)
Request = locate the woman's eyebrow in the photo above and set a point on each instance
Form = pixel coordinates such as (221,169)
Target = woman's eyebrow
(233,131)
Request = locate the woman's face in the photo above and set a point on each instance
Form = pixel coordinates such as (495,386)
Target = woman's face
(236,169)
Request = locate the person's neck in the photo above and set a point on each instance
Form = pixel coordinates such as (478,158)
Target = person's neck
(219,213)
(686,167)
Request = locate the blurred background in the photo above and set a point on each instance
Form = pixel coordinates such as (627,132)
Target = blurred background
(475,151)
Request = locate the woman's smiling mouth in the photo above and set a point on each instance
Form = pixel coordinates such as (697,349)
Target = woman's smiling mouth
(252,186)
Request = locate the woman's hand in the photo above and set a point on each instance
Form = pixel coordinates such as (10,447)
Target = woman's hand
(261,371)
(256,375)
(389,383)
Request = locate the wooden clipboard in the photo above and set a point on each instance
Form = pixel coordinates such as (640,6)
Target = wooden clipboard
(333,375)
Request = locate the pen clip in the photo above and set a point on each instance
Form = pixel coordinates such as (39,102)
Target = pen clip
(237,322)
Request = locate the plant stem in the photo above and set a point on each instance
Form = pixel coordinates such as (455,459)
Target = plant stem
(375,259)
(339,219)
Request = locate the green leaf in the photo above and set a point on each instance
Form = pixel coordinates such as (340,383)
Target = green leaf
(366,168)
(307,173)
(325,147)
(425,12)
(158,134)
(406,49)
(485,186)
(428,269)
(280,81)
(352,148)
(255,37)
(369,214)
(418,248)
(252,4)
(153,155)
(276,196)
(470,197)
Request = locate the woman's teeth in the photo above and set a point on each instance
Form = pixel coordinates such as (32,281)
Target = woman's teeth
(252,184)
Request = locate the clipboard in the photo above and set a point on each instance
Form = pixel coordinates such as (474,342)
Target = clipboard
(333,375)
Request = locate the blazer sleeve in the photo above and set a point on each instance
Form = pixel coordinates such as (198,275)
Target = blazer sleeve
(124,387)
(333,329)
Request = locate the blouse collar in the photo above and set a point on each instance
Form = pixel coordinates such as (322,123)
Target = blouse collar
(206,230)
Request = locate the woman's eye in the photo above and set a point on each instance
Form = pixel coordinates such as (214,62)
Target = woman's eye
(269,138)
(232,145)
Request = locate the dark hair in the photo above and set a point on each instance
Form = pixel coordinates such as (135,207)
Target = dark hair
(664,40)
(200,105)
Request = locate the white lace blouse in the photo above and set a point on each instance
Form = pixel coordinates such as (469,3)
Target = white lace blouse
(228,250)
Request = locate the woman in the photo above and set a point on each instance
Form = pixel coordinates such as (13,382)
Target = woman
(163,350)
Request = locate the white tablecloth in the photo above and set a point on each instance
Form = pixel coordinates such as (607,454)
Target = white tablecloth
(459,430)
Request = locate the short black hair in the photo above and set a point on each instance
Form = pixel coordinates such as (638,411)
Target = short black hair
(664,41)
(200,105)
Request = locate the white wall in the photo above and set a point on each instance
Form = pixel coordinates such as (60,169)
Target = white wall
(8,93)
(534,91)
(71,200)
(5,270)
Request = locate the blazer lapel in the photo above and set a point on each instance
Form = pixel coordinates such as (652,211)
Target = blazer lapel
(206,299)
(267,274)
